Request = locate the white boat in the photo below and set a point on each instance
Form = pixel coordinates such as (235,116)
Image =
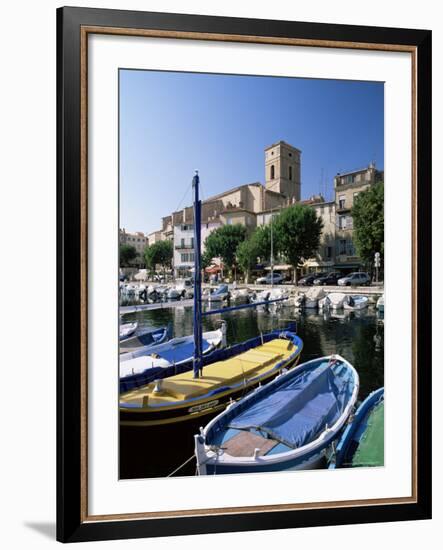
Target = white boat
(333,301)
(127,330)
(145,337)
(288,424)
(240,296)
(381,303)
(173,352)
(312,297)
(355,302)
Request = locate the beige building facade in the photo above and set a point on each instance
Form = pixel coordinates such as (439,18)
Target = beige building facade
(347,187)
(138,240)
(255,204)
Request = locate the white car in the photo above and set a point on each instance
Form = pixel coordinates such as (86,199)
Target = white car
(355,279)
(268,280)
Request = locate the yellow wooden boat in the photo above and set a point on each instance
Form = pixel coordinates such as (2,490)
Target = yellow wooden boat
(228,375)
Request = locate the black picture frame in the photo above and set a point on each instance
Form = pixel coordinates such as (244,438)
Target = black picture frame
(72,525)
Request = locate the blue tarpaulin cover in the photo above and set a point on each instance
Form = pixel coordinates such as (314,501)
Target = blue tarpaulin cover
(297,412)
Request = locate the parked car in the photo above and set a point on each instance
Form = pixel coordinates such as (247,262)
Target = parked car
(308,280)
(355,279)
(328,279)
(268,279)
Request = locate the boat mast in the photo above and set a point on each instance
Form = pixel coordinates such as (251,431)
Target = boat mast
(197,279)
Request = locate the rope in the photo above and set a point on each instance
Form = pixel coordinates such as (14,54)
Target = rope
(180,467)
(183,198)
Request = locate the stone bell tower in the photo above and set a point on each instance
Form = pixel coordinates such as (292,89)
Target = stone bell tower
(282,170)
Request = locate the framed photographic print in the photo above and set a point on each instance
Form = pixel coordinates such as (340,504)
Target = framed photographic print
(244,264)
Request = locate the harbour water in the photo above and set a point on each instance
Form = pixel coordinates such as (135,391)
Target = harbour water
(357,336)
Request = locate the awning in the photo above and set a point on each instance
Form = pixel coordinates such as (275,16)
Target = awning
(213,269)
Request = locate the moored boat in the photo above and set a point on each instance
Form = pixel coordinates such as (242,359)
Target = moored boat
(126,330)
(240,296)
(362,443)
(355,302)
(140,365)
(219,294)
(333,300)
(312,297)
(226,375)
(145,338)
(288,424)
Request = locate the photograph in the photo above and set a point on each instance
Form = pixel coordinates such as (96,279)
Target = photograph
(251,274)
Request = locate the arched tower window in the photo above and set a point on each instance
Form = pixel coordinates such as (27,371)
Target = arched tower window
(272,172)
(290,172)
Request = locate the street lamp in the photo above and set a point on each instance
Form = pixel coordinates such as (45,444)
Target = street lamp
(376,264)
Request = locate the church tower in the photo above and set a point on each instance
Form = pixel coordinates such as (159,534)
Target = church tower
(282,170)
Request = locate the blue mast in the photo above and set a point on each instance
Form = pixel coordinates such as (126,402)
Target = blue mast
(197,279)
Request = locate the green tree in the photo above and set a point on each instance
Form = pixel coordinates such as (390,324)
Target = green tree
(247,254)
(127,254)
(159,253)
(223,242)
(297,232)
(262,240)
(369,226)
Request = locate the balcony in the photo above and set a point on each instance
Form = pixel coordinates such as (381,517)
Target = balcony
(184,247)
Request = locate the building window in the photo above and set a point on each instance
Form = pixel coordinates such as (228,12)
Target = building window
(349,179)
(272,172)
(290,172)
(349,222)
(328,251)
(182,243)
(341,201)
(342,222)
(342,249)
(191,257)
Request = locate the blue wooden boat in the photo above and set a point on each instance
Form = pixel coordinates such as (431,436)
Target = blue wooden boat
(362,443)
(141,365)
(288,424)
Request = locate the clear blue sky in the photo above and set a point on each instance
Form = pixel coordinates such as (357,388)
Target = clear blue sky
(172,123)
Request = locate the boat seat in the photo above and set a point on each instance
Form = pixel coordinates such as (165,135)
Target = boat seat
(244,444)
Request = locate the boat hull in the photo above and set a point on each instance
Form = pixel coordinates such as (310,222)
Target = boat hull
(312,461)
